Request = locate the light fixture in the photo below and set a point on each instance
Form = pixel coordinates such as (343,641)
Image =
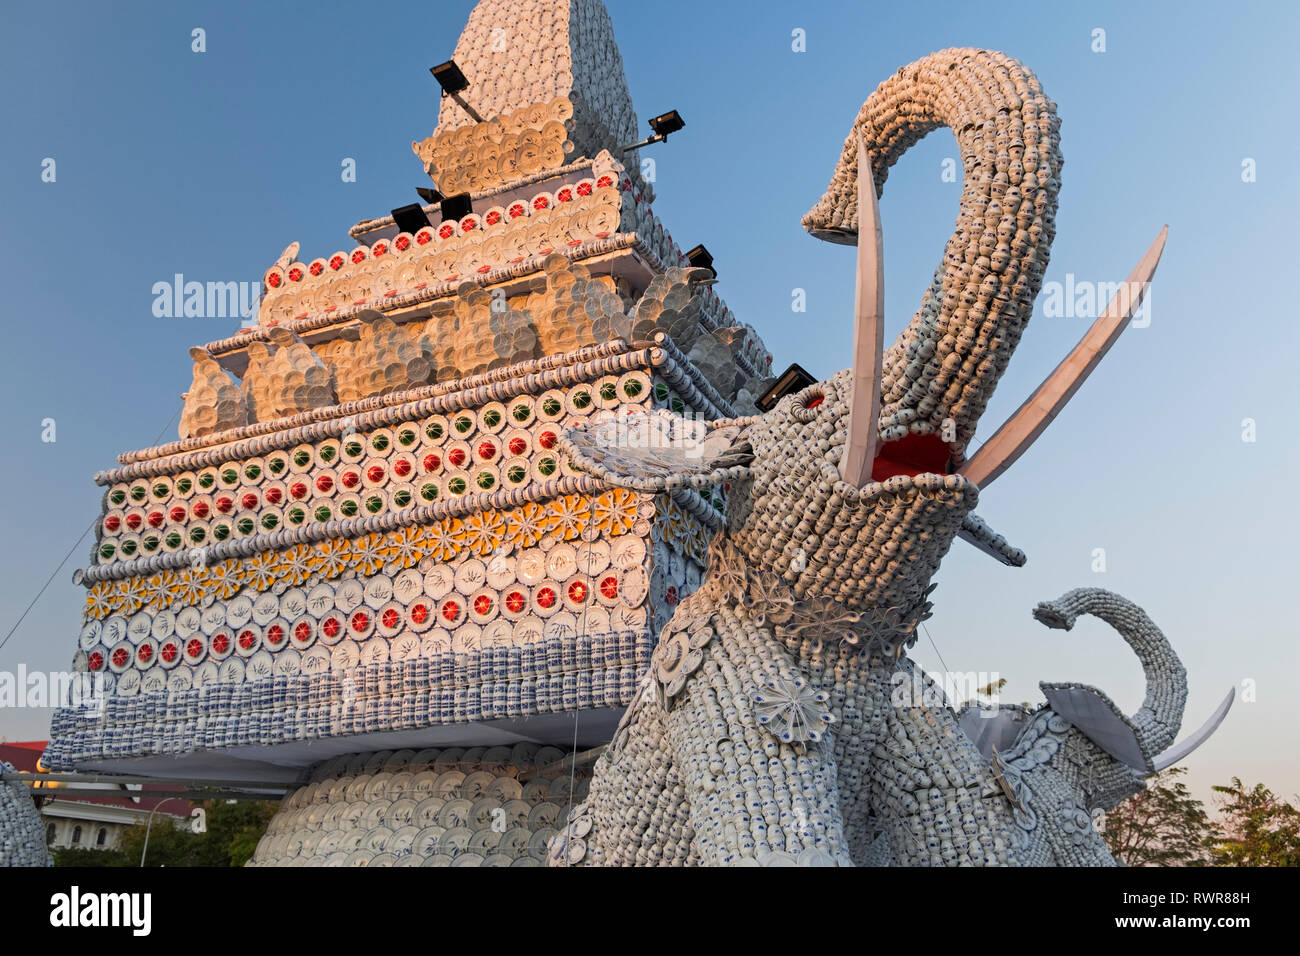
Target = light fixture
(430,196)
(793,379)
(457,206)
(663,125)
(410,218)
(666,123)
(453,83)
(449,77)
(700,258)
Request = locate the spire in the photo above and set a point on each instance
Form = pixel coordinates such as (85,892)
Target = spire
(547,77)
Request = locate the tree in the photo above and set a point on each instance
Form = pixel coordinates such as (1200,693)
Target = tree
(1163,825)
(233,831)
(1258,829)
(82,857)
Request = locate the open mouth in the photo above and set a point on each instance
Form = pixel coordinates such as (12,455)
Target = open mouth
(911,455)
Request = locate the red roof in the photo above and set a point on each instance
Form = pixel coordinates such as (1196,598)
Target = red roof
(23,754)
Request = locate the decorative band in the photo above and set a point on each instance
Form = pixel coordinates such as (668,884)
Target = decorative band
(497,683)
(331,422)
(383,222)
(364,415)
(587,353)
(348,528)
(439,290)
(483,532)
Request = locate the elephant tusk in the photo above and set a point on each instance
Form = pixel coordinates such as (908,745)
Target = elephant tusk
(1203,733)
(868,333)
(1029,421)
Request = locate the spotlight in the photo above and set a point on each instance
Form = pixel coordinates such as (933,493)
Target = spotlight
(699,258)
(669,122)
(453,83)
(792,380)
(457,206)
(430,196)
(662,125)
(449,77)
(410,218)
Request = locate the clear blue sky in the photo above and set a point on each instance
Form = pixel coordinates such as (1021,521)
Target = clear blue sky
(209,164)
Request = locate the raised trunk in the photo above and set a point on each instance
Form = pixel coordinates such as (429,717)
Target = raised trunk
(939,374)
(1156,722)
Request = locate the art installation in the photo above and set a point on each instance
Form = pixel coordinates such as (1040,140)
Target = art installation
(480,541)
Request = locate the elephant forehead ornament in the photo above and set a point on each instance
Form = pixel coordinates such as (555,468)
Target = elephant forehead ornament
(767,732)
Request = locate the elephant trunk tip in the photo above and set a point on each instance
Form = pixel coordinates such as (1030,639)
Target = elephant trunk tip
(1053,616)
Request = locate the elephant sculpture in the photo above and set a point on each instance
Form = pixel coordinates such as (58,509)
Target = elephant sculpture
(22,832)
(1061,763)
(765,732)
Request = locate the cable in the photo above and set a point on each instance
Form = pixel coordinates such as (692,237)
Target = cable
(23,616)
(934,645)
(90,527)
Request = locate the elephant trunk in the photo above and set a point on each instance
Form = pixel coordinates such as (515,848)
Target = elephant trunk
(1156,722)
(938,376)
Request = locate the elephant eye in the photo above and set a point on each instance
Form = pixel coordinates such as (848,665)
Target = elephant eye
(803,407)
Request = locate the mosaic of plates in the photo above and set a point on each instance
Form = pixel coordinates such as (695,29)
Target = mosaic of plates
(347,688)
(484,532)
(499,601)
(495,806)
(280,576)
(213,403)
(560,219)
(439,458)
(588,208)
(285,377)
(509,147)
(22,831)
(522,56)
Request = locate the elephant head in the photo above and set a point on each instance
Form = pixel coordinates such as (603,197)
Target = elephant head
(1079,753)
(854,488)
(1141,743)
(849,489)
(1135,741)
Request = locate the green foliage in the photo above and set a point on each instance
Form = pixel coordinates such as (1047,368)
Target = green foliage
(80,856)
(234,830)
(1258,829)
(1163,825)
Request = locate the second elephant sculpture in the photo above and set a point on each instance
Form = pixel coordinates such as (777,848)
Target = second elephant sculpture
(1060,764)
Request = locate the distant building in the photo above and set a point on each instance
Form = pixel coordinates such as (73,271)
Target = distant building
(91,823)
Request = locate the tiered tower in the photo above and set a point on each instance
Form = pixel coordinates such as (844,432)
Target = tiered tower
(364,567)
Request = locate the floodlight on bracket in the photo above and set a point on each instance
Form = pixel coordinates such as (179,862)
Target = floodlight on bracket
(453,83)
(663,125)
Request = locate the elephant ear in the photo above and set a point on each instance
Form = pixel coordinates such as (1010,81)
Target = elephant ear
(659,451)
(1100,720)
(991,730)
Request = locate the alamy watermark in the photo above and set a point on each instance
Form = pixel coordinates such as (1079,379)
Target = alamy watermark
(74,909)
(179,299)
(82,691)
(1081,299)
(939,689)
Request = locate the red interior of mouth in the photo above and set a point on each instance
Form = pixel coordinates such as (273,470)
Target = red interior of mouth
(911,455)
